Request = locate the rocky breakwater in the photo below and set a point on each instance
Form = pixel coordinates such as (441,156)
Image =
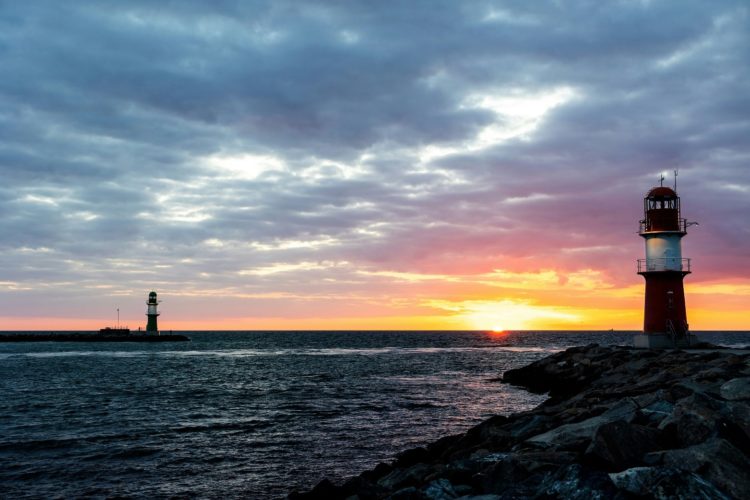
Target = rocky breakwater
(619,423)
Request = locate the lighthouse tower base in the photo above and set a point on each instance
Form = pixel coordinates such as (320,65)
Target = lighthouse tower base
(663,341)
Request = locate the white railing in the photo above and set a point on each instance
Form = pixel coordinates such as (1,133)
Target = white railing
(663,264)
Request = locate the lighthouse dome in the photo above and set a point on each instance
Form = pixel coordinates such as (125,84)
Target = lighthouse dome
(661,193)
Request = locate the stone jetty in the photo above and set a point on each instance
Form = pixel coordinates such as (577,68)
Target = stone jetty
(619,423)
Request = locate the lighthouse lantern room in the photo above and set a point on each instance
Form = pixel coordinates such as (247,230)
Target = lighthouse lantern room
(665,318)
(152,314)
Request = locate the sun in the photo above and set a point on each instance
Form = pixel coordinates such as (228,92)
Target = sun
(497,332)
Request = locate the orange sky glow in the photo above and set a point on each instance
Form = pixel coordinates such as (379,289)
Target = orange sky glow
(494,301)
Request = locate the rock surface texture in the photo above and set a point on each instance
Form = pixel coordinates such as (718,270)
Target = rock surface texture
(619,423)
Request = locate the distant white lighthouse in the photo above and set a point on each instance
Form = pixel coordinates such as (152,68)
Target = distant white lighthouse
(152,314)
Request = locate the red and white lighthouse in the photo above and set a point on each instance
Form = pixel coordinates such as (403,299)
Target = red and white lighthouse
(664,318)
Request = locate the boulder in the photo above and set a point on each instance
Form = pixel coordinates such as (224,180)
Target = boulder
(401,478)
(716,461)
(664,483)
(362,487)
(444,445)
(324,489)
(570,436)
(440,489)
(655,412)
(412,456)
(619,445)
(410,493)
(509,471)
(500,476)
(379,471)
(693,420)
(735,425)
(531,425)
(559,374)
(576,482)
(736,389)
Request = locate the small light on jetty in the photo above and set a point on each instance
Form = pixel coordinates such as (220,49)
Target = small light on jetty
(665,318)
(152,314)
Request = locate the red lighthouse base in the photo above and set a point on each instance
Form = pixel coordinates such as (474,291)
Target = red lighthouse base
(663,341)
(665,317)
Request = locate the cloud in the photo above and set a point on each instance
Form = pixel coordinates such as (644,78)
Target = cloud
(149,145)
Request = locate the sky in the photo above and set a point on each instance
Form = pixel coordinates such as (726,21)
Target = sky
(367,165)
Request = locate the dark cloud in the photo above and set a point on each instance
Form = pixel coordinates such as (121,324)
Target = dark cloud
(114,117)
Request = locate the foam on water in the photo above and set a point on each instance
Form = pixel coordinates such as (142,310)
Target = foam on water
(243,353)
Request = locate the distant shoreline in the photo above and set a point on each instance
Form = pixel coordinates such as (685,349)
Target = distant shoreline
(90,337)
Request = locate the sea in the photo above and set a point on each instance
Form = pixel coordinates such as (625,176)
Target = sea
(251,414)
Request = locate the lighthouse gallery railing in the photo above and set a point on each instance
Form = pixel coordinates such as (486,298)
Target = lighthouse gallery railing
(663,264)
(646,226)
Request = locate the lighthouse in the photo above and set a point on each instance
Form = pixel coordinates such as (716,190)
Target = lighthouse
(664,317)
(151,313)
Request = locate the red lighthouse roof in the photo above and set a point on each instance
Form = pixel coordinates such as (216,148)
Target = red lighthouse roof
(661,192)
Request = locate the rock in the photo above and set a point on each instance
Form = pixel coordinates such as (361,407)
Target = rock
(557,374)
(463,490)
(518,474)
(710,374)
(412,456)
(657,411)
(500,476)
(361,487)
(618,445)
(576,482)
(324,489)
(522,428)
(735,425)
(490,429)
(664,483)
(379,471)
(410,493)
(440,489)
(693,420)
(716,461)
(442,446)
(400,478)
(736,389)
(570,436)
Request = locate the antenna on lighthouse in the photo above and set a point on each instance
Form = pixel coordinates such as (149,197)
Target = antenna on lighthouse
(661,179)
(675,180)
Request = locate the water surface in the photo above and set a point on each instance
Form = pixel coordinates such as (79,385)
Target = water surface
(249,414)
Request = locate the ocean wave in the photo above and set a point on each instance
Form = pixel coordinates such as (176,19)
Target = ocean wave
(244,353)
